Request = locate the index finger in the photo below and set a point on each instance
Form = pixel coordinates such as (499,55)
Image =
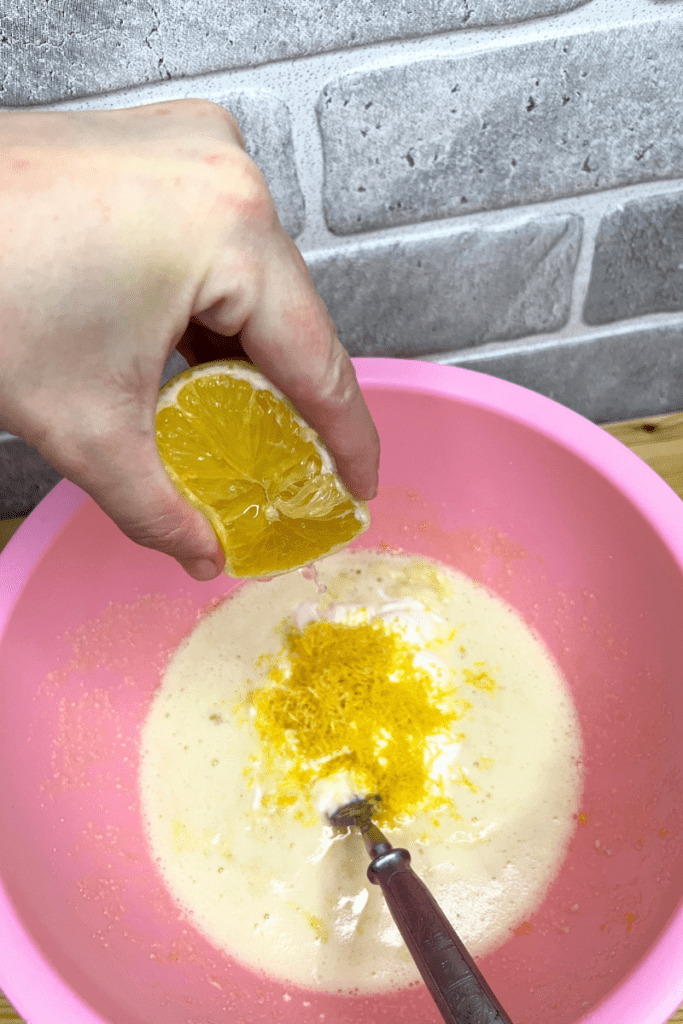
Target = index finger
(289,335)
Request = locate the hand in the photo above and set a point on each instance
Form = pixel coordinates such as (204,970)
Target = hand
(125,234)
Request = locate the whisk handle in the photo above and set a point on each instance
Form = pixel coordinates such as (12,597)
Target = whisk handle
(457,986)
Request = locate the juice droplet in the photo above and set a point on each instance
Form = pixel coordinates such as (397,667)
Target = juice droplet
(310,572)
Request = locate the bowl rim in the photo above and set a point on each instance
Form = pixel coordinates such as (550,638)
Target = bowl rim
(654,989)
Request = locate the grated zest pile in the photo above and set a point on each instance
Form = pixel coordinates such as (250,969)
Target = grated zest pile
(353,699)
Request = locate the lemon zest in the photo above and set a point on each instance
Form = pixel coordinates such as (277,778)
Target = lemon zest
(480,680)
(353,699)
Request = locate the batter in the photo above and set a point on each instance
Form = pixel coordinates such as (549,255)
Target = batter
(252,860)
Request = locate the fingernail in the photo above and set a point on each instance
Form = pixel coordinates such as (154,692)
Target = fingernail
(202,569)
(364,493)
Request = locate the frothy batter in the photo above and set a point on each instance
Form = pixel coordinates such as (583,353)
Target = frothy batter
(277,888)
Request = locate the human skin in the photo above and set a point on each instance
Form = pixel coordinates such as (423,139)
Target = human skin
(126,234)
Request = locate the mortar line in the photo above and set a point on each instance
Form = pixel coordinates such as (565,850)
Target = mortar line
(565,338)
(586,205)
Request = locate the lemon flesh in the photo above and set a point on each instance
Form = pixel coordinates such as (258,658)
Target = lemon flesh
(237,449)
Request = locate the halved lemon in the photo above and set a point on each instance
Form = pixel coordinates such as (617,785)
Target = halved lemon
(237,449)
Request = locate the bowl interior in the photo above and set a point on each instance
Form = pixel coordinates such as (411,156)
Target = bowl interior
(485,492)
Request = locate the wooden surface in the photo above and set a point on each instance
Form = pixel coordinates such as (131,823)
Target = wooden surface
(7,1014)
(658,440)
(7,528)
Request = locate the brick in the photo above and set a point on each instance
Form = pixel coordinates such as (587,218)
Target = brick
(25,477)
(267,128)
(411,296)
(518,124)
(52,51)
(638,261)
(615,377)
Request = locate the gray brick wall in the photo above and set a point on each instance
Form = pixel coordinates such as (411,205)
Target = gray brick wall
(618,375)
(519,125)
(638,262)
(55,51)
(25,477)
(407,297)
(266,125)
(496,184)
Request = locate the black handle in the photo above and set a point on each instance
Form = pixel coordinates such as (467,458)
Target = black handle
(457,985)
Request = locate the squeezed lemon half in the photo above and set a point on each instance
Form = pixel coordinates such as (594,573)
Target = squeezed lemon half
(236,448)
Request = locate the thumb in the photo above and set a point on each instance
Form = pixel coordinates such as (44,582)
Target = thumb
(129,483)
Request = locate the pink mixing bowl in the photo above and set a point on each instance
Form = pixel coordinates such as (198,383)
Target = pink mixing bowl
(543,507)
